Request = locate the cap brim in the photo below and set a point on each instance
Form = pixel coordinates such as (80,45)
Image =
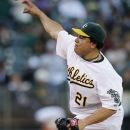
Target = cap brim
(80,32)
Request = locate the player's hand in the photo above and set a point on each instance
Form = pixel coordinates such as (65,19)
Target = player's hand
(30,7)
(67,124)
(70,124)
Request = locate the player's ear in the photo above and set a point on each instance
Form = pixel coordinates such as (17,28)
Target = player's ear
(93,45)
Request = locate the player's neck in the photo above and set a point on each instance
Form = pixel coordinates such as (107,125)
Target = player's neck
(92,56)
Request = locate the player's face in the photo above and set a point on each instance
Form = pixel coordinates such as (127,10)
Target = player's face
(83,46)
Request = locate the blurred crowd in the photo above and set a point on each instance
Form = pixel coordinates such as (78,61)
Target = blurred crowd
(33,75)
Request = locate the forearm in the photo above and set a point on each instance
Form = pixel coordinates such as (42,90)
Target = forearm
(52,27)
(98,116)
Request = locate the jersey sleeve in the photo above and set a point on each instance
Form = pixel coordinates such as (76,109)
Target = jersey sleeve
(109,87)
(64,40)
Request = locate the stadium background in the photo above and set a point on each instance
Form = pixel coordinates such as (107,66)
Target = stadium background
(33,77)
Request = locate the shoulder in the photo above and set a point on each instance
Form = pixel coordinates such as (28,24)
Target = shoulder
(65,35)
(107,70)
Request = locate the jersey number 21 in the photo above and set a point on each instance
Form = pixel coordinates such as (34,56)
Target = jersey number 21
(80,100)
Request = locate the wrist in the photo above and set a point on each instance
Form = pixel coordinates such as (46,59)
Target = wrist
(82,124)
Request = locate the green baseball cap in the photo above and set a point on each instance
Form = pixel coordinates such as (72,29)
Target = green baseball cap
(92,30)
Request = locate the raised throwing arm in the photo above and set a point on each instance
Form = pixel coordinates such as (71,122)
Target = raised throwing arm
(51,27)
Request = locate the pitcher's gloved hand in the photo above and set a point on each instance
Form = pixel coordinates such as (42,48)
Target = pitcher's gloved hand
(67,124)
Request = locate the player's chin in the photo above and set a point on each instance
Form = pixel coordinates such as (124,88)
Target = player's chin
(77,51)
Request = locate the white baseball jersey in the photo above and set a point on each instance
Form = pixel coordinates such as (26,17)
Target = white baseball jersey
(92,85)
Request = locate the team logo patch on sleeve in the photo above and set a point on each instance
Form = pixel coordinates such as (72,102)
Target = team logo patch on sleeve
(115,95)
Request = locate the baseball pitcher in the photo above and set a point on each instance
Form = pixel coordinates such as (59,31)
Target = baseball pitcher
(95,87)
